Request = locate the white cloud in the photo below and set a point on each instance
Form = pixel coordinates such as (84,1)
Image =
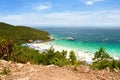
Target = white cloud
(43,6)
(91,2)
(99,18)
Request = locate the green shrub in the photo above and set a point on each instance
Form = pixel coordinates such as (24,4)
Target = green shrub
(5,71)
(101,54)
(102,60)
(73,59)
(102,64)
(26,54)
(6,49)
(56,58)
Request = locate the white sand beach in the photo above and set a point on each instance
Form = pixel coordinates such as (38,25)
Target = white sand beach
(81,55)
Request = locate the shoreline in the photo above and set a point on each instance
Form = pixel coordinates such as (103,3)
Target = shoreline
(80,54)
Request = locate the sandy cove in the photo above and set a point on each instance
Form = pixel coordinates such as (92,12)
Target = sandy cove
(81,55)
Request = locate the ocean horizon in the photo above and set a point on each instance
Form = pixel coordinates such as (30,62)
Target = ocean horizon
(86,39)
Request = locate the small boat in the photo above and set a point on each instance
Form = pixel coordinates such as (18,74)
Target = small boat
(70,38)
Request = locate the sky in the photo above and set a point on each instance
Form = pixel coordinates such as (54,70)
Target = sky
(99,13)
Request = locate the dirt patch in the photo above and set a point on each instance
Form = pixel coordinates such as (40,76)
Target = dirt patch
(27,71)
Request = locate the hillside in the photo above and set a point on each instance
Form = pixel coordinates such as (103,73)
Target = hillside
(21,34)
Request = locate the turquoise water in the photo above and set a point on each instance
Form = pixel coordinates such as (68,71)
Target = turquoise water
(88,39)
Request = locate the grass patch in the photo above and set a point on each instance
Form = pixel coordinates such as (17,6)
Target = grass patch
(5,71)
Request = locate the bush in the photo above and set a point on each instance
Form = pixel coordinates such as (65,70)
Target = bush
(26,54)
(5,71)
(102,60)
(102,64)
(101,54)
(73,59)
(6,49)
(56,58)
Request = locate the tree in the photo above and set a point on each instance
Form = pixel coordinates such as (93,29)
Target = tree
(102,60)
(72,58)
(6,49)
(101,54)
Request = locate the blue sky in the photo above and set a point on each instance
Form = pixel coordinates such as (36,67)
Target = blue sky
(61,12)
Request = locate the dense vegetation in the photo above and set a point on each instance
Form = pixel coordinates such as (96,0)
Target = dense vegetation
(103,60)
(21,34)
(25,54)
(22,54)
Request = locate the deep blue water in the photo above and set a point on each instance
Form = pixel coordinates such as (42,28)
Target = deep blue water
(89,39)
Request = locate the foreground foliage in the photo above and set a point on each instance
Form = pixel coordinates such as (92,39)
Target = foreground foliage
(6,49)
(24,54)
(11,51)
(5,71)
(56,58)
(103,60)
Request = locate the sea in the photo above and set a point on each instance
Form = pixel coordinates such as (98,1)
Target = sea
(87,39)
